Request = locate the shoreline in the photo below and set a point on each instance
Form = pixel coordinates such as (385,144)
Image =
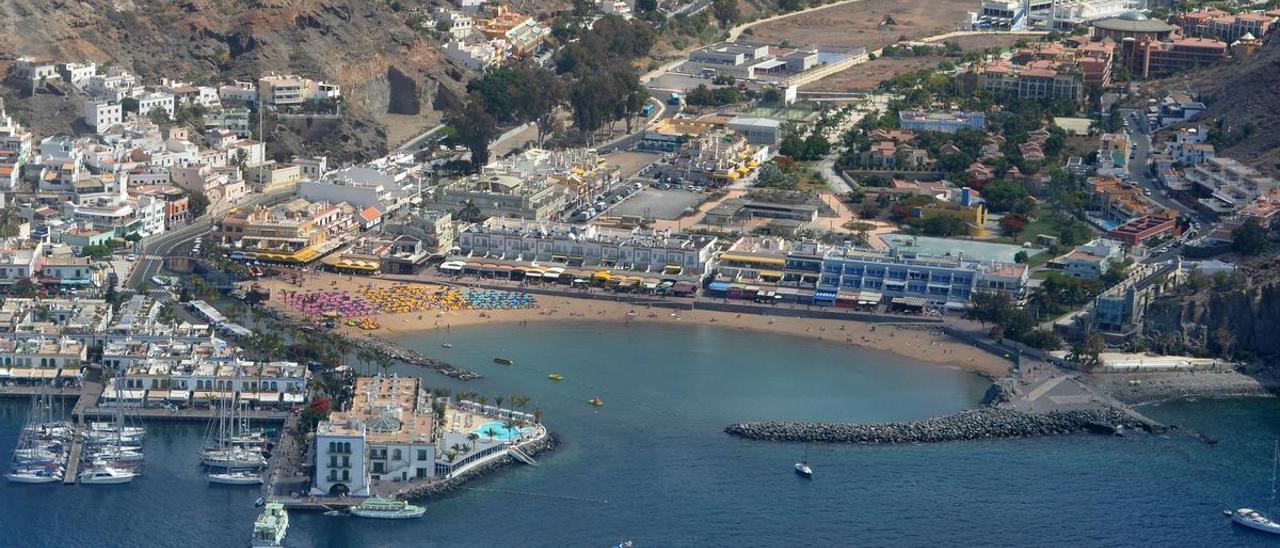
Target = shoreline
(1156,388)
(919,342)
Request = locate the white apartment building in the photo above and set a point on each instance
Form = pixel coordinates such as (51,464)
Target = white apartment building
(102,113)
(78,73)
(387,435)
(155,100)
(587,245)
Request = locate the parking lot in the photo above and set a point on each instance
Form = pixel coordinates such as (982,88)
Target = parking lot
(657,204)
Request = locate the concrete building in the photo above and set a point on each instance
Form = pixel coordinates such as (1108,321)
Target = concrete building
(1091,260)
(153,101)
(1224,185)
(386,435)
(590,246)
(758,131)
(101,113)
(15,149)
(946,122)
(296,232)
(939,281)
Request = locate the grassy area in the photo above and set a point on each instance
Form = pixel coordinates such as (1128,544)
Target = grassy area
(1044,223)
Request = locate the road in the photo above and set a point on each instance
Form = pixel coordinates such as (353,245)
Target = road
(155,249)
(1138,174)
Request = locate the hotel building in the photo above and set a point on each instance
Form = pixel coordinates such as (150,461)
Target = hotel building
(386,435)
(297,232)
(588,245)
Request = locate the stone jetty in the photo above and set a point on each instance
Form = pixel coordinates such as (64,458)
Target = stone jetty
(389,349)
(974,424)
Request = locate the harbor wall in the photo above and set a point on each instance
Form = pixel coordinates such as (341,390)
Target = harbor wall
(974,424)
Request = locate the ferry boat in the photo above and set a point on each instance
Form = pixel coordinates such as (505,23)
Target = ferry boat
(379,508)
(555,377)
(504,361)
(596,402)
(271,526)
(235,478)
(105,474)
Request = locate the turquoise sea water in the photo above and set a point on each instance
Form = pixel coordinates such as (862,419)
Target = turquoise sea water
(653,464)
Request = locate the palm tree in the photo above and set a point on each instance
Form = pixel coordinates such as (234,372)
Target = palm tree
(509,425)
(491,432)
(497,400)
(537,415)
(473,437)
(384,362)
(365,357)
(480,399)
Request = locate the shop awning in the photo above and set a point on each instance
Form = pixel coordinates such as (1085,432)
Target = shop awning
(602,275)
(776,261)
(824,295)
(771,274)
(177,395)
(869,297)
(914,302)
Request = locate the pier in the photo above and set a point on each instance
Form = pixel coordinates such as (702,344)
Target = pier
(73,459)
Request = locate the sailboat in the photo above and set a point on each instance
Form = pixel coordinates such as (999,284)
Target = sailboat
(802,467)
(1254,519)
(40,454)
(113,448)
(225,451)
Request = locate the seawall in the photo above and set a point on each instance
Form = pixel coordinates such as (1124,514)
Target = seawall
(440,488)
(973,424)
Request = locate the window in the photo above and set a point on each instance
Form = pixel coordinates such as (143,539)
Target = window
(346,462)
(395,455)
(422,455)
(333,447)
(333,461)
(346,475)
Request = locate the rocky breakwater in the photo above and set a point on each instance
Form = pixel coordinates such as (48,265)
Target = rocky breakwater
(413,357)
(974,424)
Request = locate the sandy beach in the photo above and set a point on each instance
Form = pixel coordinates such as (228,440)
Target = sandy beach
(922,343)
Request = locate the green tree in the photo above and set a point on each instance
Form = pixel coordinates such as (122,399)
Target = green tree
(1085,351)
(197,203)
(726,11)
(474,127)
(1249,239)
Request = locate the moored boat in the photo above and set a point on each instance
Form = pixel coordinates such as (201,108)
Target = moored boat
(52,474)
(378,508)
(504,361)
(270,528)
(802,467)
(105,474)
(555,377)
(233,458)
(235,478)
(596,402)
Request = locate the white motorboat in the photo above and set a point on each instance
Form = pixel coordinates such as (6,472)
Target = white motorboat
(271,526)
(378,508)
(35,475)
(105,474)
(112,428)
(235,478)
(34,454)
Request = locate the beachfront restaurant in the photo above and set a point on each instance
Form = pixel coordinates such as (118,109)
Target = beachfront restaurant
(613,280)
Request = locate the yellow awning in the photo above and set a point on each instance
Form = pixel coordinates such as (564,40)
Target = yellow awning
(771,274)
(602,275)
(777,261)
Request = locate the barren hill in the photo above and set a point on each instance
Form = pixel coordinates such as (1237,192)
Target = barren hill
(1239,93)
(392,75)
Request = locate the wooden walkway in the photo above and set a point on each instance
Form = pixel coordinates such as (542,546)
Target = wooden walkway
(73,460)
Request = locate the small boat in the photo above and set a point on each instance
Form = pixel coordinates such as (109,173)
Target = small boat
(1254,519)
(235,478)
(335,513)
(105,474)
(233,458)
(35,475)
(596,402)
(379,508)
(504,361)
(446,345)
(555,377)
(802,467)
(271,526)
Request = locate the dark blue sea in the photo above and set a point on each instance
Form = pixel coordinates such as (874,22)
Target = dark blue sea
(653,465)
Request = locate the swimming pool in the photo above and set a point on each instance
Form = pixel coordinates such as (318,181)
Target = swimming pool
(942,247)
(501,433)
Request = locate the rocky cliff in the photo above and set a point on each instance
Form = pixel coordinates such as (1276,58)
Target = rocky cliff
(390,72)
(1241,322)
